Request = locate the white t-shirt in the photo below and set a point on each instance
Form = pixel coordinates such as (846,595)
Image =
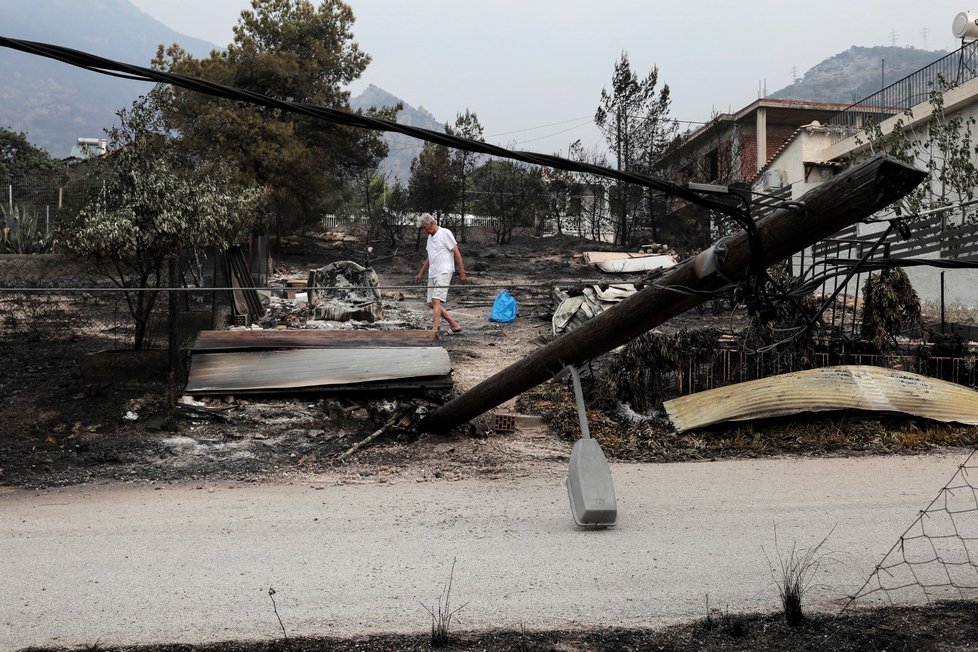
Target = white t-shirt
(440,257)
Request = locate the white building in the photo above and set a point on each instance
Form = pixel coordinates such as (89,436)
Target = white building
(815,152)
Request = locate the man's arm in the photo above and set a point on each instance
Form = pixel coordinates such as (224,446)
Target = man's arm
(424,268)
(459,265)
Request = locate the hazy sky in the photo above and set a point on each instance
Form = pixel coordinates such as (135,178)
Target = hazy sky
(533,70)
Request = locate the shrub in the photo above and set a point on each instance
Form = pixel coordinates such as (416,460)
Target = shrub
(24,232)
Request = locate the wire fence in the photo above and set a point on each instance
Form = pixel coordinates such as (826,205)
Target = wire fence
(728,363)
(55,311)
(936,558)
(37,309)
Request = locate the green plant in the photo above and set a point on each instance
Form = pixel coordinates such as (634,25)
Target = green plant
(24,232)
(794,576)
(442,613)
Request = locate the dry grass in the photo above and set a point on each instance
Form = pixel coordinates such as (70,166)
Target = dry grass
(442,614)
(931,311)
(794,575)
(849,433)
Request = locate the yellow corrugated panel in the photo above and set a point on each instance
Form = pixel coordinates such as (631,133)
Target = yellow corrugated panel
(850,387)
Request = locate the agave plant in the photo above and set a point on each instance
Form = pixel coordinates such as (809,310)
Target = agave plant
(24,232)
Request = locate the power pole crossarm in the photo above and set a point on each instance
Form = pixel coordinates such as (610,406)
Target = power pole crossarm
(845,199)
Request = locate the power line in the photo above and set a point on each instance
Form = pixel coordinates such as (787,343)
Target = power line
(105,66)
(552,124)
(563,131)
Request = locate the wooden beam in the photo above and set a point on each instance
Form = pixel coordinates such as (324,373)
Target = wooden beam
(847,198)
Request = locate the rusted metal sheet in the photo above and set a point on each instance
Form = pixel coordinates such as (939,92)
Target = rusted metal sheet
(240,277)
(237,340)
(849,387)
(305,369)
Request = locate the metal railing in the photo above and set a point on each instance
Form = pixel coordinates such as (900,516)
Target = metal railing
(955,68)
(726,365)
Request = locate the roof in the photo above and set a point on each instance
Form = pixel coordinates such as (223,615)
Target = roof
(779,111)
(813,126)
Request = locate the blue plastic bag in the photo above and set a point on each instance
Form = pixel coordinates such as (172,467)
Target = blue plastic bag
(503,308)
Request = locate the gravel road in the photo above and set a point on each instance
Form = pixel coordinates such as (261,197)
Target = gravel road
(130,564)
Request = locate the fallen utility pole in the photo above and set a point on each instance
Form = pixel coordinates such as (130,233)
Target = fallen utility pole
(845,199)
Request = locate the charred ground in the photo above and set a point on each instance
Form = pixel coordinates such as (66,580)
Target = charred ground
(56,430)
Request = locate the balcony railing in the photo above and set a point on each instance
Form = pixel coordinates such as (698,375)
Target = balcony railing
(955,68)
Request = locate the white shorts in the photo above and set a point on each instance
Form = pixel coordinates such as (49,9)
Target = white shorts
(438,287)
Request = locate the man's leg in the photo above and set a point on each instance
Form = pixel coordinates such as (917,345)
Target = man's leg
(437,294)
(436,311)
(444,313)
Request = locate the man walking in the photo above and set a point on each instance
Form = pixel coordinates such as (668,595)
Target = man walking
(443,260)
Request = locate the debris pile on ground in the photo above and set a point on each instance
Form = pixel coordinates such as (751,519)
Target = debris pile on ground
(344,291)
(577,305)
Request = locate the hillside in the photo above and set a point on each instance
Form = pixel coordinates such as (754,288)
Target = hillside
(55,103)
(403,149)
(857,73)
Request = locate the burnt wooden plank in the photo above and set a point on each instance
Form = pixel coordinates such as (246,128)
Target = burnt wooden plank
(306,339)
(409,385)
(310,368)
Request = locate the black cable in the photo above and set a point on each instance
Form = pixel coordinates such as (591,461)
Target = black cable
(107,66)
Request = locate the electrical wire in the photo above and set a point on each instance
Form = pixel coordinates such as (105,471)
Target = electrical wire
(103,65)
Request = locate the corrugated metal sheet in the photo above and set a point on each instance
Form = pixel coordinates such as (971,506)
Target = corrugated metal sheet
(241,278)
(621,262)
(851,387)
(309,339)
(306,369)
(571,312)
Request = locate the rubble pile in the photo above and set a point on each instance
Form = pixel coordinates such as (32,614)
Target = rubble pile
(345,291)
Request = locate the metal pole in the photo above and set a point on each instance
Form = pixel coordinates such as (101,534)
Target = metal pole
(843,200)
(579,395)
(942,303)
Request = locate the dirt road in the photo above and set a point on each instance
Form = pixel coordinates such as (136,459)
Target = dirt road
(193,562)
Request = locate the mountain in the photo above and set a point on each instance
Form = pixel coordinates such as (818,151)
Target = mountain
(857,73)
(403,149)
(55,103)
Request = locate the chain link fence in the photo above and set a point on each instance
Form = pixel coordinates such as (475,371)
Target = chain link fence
(54,310)
(55,301)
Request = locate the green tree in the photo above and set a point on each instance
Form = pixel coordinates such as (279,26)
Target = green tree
(465,162)
(395,217)
(155,204)
(20,160)
(634,118)
(29,177)
(383,208)
(291,50)
(946,149)
(432,183)
(513,195)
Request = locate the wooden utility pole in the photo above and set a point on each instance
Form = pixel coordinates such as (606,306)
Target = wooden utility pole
(847,198)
